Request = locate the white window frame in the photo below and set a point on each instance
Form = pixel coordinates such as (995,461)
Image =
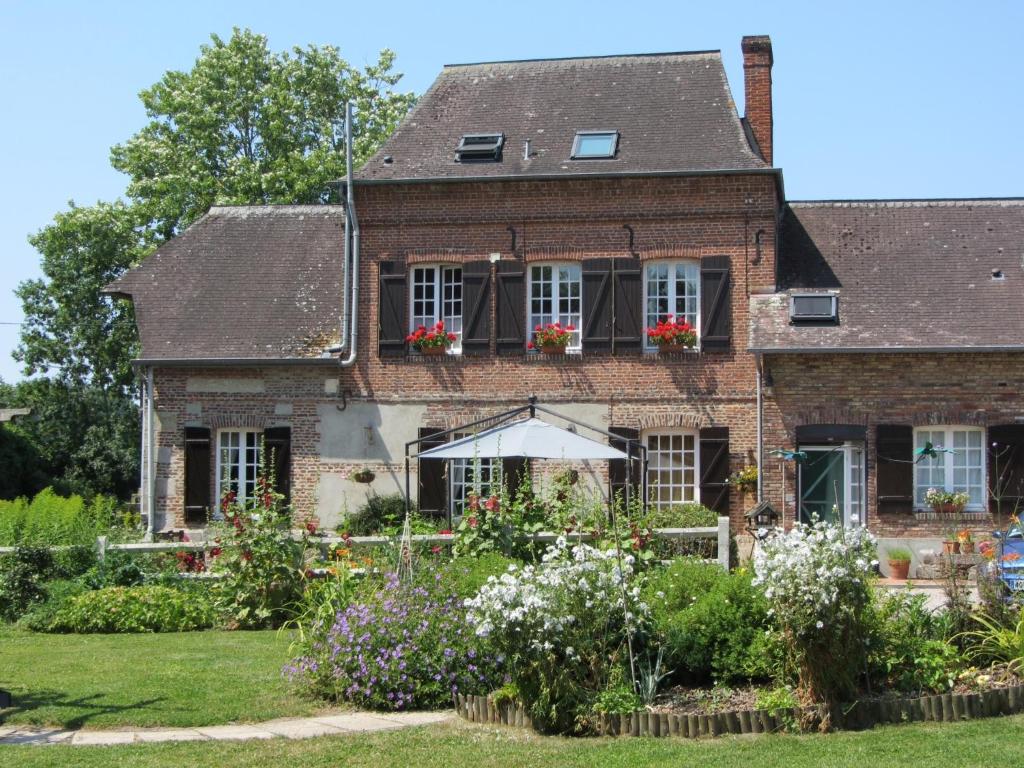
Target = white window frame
(248,471)
(651,319)
(459,487)
(654,468)
(948,462)
(561,291)
(443,306)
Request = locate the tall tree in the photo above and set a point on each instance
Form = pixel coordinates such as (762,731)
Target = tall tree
(244,126)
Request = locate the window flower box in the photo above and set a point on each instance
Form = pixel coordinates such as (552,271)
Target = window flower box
(432,341)
(672,336)
(552,339)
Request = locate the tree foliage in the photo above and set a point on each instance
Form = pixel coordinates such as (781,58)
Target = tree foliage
(245,125)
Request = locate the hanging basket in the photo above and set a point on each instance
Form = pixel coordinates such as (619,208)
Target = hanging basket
(363,476)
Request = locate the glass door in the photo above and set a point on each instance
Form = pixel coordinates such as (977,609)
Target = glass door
(832,484)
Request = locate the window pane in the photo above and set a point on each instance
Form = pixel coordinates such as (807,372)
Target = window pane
(595,145)
(671,468)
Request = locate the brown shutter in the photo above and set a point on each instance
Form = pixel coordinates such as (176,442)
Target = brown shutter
(277,441)
(433,486)
(714,469)
(197,474)
(597,305)
(628,319)
(894,450)
(1006,468)
(510,294)
(621,471)
(512,470)
(393,309)
(715,304)
(476,308)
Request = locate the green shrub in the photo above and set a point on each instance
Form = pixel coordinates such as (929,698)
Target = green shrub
(42,616)
(383,515)
(907,649)
(618,698)
(464,577)
(22,580)
(50,519)
(712,624)
(690,515)
(136,609)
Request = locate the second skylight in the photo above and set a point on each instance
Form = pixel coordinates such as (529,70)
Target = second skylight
(590,145)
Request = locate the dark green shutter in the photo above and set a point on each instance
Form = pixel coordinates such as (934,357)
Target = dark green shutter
(894,468)
(392,309)
(431,476)
(715,304)
(198,478)
(476,308)
(621,471)
(1006,468)
(597,305)
(714,469)
(628,317)
(277,441)
(510,295)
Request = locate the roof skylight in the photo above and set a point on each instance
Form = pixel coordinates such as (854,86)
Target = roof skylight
(480,146)
(590,145)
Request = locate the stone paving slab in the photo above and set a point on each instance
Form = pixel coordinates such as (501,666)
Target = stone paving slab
(290,728)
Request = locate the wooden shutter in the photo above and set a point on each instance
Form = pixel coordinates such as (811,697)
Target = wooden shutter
(277,442)
(597,305)
(894,450)
(510,295)
(714,469)
(431,476)
(512,471)
(197,474)
(393,309)
(619,470)
(715,304)
(628,318)
(476,308)
(1006,467)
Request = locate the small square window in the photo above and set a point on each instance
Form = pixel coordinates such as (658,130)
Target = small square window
(590,145)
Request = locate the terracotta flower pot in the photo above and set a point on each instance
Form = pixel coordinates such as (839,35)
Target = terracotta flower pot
(899,569)
(966,547)
(433,351)
(553,349)
(673,349)
(951,547)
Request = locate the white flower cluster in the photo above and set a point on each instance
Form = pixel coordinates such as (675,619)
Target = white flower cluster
(816,574)
(572,592)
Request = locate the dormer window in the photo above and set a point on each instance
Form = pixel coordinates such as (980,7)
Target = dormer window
(595,145)
(813,307)
(480,147)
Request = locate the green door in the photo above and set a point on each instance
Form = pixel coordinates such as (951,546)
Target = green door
(822,479)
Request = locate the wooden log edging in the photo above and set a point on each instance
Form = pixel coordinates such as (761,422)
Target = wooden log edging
(865,714)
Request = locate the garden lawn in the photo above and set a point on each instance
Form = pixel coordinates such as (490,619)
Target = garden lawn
(173,679)
(978,743)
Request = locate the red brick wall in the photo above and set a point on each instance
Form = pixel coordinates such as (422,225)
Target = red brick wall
(978,389)
(757,76)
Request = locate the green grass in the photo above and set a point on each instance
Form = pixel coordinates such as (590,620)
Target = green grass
(179,679)
(981,743)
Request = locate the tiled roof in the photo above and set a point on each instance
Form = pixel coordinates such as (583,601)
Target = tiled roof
(909,275)
(674,113)
(247,282)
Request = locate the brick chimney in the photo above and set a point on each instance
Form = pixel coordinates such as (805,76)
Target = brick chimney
(757,80)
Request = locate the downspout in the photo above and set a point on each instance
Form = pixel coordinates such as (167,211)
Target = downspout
(353,249)
(150,485)
(760,428)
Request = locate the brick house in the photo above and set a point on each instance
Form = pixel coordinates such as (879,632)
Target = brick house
(604,192)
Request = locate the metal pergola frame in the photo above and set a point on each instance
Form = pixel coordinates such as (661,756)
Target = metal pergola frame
(635,451)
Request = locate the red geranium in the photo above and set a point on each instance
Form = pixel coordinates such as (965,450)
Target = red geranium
(437,336)
(552,335)
(673,332)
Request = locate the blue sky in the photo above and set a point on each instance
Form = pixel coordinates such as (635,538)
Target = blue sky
(872,99)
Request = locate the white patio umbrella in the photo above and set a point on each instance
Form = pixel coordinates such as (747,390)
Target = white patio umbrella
(531,439)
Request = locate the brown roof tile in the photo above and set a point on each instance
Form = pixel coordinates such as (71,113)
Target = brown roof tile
(246,282)
(909,275)
(674,113)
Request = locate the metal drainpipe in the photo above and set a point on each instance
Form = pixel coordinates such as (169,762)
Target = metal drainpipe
(350,213)
(150,488)
(760,428)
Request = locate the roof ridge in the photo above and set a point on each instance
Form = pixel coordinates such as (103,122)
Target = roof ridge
(272,208)
(906,202)
(585,58)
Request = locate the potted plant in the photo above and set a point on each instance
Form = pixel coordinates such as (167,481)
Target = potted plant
(363,475)
(745,479)
(431,341)
(552,338)
(672,335)
(966,542)
(946,502)
(899,563)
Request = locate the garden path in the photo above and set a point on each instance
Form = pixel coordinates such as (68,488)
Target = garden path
(291,728)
